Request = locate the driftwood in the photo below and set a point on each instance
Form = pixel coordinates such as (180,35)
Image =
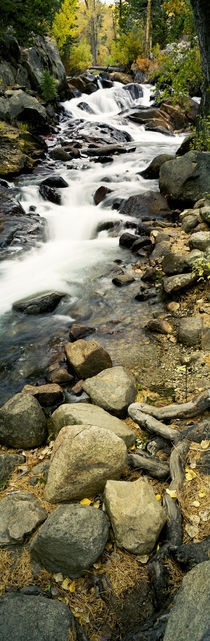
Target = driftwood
(151,424)
(174,522)
(155,468)
(177,460)
(197,432)
(196,406)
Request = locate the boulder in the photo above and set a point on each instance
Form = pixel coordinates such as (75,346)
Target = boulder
(45,55)
(42,304)
(83,458)
(20,514)
(71,539)
(55,181)
(18,230)
(136,516)
(189,222)
(8,463)
(186,178)
(22,422)
(49,193)
(47,395)
(100,194)
(58,153)
(152,116)
(18,150)
(86,414)
(174,263)
(134,89)
(153,169)
(21,106)
(175,283)
(87,358)
(190,330)
(150,204)
(24,617)
(189,616)
(200,240)
(113,389)
(205,214)
(127,239)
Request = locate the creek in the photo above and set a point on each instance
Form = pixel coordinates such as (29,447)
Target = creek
(79,255)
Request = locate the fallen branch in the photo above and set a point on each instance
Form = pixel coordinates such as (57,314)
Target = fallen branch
(176,464)
(155,468)
(197,405)
(174,521)
(151,424)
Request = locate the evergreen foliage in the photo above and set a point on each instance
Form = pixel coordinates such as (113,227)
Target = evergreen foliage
(48,86)
(27,17)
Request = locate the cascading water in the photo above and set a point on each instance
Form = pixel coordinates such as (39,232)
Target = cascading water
(75,254)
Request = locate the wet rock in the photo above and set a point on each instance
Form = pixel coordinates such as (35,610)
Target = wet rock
(200,240)
(100,194)
(83,458)
(49,193)
(87,358)
(86,414)
(113,389)
(127,240)
(17,229)
(55,181)
(46,395)
(150,203)
(44,54)
(176,283)
(80,331)
(191,554)
(136,516)
(123,280)
(152,116)
(190,330)
(71,539)
(185,178)
(139,243)
(58,153)
(153,169)
(42,304)
(20,514)
(134,89)
(174,263)
(85,107)
(8,463)
(22,422)
(34,617)
(158,325)
(187,622)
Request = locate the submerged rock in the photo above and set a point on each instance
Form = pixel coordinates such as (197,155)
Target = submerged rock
(42,304)
(22,422)
(71,539)
(86,414)
(113,389)
(49,193)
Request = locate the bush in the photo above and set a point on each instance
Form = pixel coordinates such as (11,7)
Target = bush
(128,47)
(48,86)
(179,72)
(80,57)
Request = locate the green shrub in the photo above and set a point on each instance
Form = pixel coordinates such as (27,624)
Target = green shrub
(48,86)
(179,72)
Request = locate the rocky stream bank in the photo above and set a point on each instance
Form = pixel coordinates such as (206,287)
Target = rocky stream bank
(104,455)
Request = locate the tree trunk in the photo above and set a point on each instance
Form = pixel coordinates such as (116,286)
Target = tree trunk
(201,10)
(147,38)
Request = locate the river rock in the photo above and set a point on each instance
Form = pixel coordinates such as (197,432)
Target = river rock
(87,358)
(42,304)
(200,240)
(150,203)
(136,516)
(86,414)
(83,458)
(8,463)
(190,330)
(127,239)
(113,389)
(158,325)
(205,214)
(71,539)
(47,395)
(22,422)
(24,617)
(174,263)
(123,280)
(186,178)
(55,181)
(152,116)
(152,171)
(17,150)
(80,331)
(176,283)
(49,193)
(189,616)
(18,230)
(58,153)
(189,222)
(100,194)
(161,250)
(60,376)
(134,89)
(20,514)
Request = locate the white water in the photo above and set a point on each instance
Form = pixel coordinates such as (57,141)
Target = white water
(74,250)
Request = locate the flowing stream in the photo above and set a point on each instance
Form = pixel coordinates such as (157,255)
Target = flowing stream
(76,258)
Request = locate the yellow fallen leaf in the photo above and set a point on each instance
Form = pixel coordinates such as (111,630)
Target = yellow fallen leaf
(158,547)
(96,504)
(85,502)
(201,494)
(205,445)
(133,447)
(158,496)
(190,474)
(72,586)
(65,585)
(171,493)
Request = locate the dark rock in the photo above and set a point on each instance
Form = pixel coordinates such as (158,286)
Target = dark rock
(174,263)
(190,222)
(20,514)
(22,422)
(154,116)
(123,279)
(103,159)
(8,463)
(71,539)
(191,554)
(134,89)
(4,183)
(153,169)
(127,240)
(187,622)
(161,250)
(141,242)
(24,617)
(17,229)
(58,153)
(23,107)
(203,464)
(60,376)
(45,55)
(85,107)
(185,146)
(176,283)
(49,193)
(46,395)
(100,194)
(150,631)
(186,178)
(55,181)
(42,304)
(150,203)
(198,432)
(80,331)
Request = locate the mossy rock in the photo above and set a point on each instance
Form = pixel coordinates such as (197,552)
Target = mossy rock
(17,150)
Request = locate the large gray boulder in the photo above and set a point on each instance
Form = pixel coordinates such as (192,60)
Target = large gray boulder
(20,514)
(71,540)
(190,614)
(200,240)
(113,389)
(19,105)
(185,179)
(86,414)
(22,422)
(83,458)
(177,282)
(45,55)
(87,358)
(24,617)
(136,516)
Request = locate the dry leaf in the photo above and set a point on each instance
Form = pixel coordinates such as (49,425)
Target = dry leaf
(201,494)
(58,577)
(66,584)
(190,475)
(158,496)
(72,586)
(192,530)
(196,503)
(133,447)
(96,504)
(171,493)
(204,445)
(85,502)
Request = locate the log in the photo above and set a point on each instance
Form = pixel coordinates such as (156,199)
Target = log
(155,468)
(197,405)
(151,424)
(174,522)
(176,464)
